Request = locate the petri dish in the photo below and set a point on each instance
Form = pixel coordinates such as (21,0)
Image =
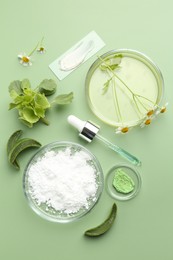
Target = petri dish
(33,189)
(120,96)
(130,172)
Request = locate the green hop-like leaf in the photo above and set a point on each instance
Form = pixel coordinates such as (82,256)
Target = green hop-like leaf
(28,115)
(48,87)
(12,105)
(111,62)
(15,86)
(29,92)
(30,125)
(106,85)
(39,111)
(25,84)
(41,100)
(64,99)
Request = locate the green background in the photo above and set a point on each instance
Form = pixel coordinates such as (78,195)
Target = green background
(144,225)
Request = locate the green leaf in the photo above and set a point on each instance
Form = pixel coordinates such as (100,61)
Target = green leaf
(118,57)
(25,122)
(23,100)
(104,67)
(39,111)
(13,94)
(28,115)
(106,85)
(29,92)
(12,105)
(48,87)
(25,84)
(15,86)
(111,62)
(64,99)
(41,100)
(31,104)
(114,66)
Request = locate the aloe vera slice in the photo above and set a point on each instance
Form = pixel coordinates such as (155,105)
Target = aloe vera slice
(105,226)
(20,146)
(12,140)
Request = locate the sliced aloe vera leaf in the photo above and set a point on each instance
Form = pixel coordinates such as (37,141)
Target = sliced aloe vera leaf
(16,165)
(105,226)
(12,140)
(19,147)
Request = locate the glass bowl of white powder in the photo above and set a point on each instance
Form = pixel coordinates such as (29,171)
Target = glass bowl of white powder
(63,181)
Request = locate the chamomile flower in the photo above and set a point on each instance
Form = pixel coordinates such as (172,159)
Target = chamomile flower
(162,109)
(122,130)
(41,50)
(24,59)
(147,121)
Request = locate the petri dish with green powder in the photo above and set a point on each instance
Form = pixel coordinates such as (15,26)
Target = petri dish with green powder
(123,182)
(122,85)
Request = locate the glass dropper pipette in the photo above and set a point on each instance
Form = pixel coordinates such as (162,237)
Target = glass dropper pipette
(88,131)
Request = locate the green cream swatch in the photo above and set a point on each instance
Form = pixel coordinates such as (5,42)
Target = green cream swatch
(122,182)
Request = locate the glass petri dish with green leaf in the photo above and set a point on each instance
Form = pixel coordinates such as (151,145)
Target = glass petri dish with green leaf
(125,88)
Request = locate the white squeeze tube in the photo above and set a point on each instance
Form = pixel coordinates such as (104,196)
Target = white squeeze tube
(88,130)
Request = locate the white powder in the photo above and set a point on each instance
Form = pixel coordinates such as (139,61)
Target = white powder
(64,181)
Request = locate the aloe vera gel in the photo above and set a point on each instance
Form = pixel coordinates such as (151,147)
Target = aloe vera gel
(122,182)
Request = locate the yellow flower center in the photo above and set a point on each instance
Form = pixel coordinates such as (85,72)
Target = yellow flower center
(25,59)
(150,113)
(41,49)
(163,110)
(148,122)
(124,130)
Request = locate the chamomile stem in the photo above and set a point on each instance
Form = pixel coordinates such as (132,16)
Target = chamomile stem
(41,42)
(145,99)
(122,81)
(136,104)
(33,50)
(117,102)
(115,75)
(141,102)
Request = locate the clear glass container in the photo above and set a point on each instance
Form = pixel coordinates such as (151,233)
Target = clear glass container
(114,103)
(47,212)
(132,173)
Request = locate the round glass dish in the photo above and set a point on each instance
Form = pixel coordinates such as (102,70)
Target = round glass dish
(122,86)
(33,189)
(130,172)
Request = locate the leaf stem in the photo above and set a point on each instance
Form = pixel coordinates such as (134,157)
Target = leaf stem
(45,121)
(115,75)
(41,42)
(135,97)
(136,104)
(33,50)
(146,99)
(116,104)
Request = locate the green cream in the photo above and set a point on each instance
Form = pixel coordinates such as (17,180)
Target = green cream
(122,182)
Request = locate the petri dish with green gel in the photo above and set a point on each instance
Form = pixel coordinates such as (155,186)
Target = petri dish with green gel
(111,101)
(123,182)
